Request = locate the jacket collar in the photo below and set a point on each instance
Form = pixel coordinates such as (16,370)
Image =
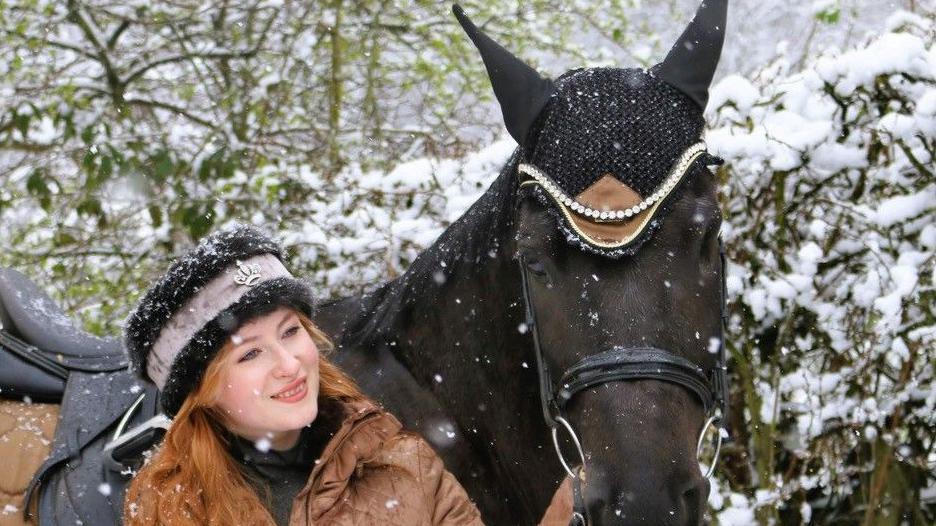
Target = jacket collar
(362,434)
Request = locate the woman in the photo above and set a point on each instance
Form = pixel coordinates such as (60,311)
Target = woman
(265,429)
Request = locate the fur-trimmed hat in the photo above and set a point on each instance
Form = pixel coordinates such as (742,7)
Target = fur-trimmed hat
(231,277)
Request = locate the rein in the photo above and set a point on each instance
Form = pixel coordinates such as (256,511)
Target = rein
(619,364)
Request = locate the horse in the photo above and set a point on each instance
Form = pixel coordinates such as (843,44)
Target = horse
(601,260)
(576,310)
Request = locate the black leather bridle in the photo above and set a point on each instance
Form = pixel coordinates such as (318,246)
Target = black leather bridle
(620,364)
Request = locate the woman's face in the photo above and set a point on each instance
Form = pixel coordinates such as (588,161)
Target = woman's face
(270,380)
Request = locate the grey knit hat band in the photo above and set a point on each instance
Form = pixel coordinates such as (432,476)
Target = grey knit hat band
(224,290)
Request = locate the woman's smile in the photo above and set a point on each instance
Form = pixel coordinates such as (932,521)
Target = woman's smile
(293,392)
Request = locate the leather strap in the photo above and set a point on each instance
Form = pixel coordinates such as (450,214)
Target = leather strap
(635,363)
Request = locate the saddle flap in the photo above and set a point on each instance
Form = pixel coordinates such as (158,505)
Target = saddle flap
(37,319)
(91,408)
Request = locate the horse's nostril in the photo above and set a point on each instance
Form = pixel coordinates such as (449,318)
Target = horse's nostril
(693,500)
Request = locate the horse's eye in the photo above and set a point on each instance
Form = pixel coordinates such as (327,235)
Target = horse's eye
(535,266)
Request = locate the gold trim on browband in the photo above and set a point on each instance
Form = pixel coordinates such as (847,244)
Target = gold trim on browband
(661,194)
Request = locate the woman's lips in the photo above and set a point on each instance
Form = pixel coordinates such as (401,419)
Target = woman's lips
(293,392)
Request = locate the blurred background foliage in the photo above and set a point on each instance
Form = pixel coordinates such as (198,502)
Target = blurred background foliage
(357,130)
(169,101)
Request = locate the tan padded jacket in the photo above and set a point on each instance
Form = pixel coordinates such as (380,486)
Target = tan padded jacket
(371,472)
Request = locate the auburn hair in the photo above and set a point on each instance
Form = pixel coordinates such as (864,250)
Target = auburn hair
(192,479)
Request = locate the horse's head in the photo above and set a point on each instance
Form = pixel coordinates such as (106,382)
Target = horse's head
(617,239)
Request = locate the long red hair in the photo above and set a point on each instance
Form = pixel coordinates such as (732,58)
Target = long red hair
(192,479)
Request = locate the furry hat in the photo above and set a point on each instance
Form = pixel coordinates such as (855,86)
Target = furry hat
(231,277)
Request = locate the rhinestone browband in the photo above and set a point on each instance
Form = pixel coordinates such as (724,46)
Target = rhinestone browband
(683,164)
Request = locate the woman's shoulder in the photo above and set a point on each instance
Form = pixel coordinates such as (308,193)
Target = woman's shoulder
(372,466)
(389,442)
(376,438)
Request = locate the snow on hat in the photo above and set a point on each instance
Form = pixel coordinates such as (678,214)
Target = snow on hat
(231,277)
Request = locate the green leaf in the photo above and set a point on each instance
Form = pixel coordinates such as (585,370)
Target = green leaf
(88,162)
(37,187)
(186,92)
(162,165)
(21,120)
(35,183)
(215,166)
(198,219)
(62,238)
(829,15)
(156,215)
(90,207)
(106,168)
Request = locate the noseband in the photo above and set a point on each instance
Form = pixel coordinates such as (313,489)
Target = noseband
(620,364)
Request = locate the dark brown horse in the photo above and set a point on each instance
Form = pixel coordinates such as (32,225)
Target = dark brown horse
(595,252)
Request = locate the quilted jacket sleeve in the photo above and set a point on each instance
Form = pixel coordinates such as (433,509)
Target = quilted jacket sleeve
(449,504)
(559,512)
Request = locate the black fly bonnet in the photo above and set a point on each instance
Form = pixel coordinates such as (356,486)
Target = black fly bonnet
(606,126)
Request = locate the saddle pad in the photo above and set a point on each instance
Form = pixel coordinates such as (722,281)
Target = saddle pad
(26,432)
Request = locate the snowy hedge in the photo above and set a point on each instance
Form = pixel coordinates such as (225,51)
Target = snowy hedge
(829,201)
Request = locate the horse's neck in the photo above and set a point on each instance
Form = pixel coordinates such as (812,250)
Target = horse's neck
(470,346)
(474,312)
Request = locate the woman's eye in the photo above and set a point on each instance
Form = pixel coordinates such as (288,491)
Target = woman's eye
(249,355)
(291,331)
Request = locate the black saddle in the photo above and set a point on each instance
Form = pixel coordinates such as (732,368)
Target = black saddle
(108,415)
(39,344)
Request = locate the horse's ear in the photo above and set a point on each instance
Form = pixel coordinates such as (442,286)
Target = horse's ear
(520,90)
(690,64)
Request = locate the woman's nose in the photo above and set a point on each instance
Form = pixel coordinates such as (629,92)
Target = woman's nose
(287,364)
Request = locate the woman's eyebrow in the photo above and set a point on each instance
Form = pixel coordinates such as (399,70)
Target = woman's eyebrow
(286,318)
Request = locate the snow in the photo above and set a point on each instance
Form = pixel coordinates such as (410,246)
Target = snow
(263,445)
(738,513)
(900,208)
(734,89)
(849,270)
(891,53)
(904,279)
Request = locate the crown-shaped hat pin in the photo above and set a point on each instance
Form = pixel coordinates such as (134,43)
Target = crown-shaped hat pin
(247,275)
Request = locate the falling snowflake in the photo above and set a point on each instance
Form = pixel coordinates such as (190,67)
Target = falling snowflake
(714,344)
